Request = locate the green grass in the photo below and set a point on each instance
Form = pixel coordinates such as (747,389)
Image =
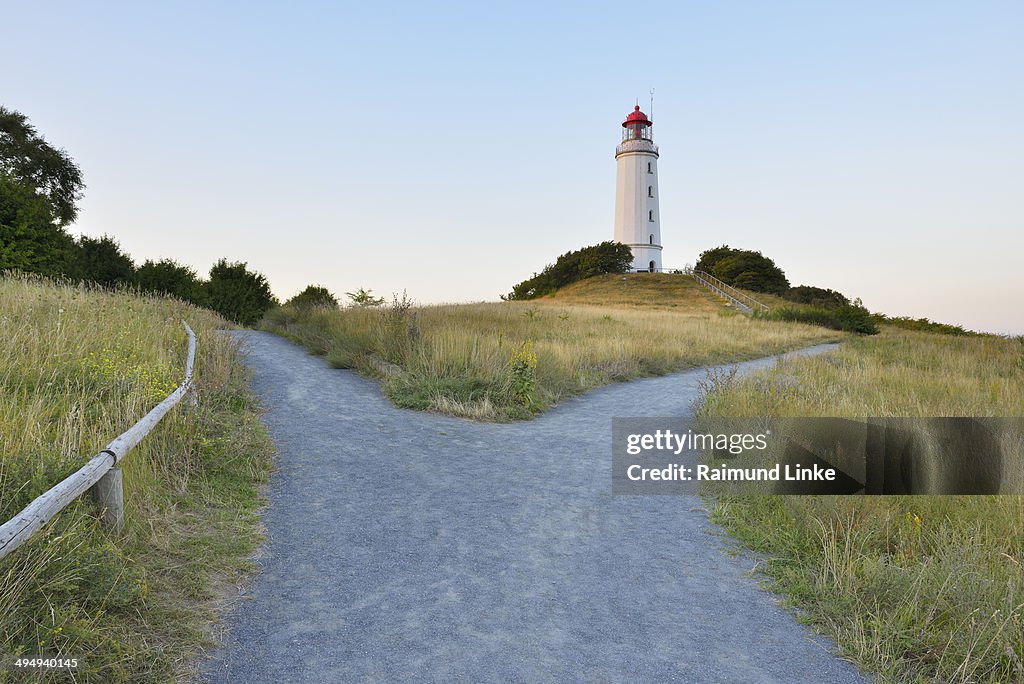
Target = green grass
(509,360)
(78,367)
(917,589)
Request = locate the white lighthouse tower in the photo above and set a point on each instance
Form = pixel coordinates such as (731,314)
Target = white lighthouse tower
(637,221)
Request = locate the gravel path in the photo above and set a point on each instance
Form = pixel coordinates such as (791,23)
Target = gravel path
(409,547)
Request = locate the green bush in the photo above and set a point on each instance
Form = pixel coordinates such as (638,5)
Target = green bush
(743,268)
(364,298)
(848,318)
(924,325)
(101,261)
(314,295)
(237,293)
(171,278)
(815,296)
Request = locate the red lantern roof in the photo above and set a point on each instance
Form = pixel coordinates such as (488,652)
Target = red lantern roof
(637,117)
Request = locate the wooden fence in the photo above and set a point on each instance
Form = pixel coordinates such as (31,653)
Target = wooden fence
(101,474)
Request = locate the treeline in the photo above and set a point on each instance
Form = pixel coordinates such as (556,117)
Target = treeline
(926,325)
(599,259)
(232,290)
(753,271)
(40,187)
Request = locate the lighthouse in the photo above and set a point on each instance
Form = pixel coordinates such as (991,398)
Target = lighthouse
(637,221)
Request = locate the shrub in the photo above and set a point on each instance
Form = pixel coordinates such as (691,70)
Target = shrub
(101,261)
(848,318)
(314,295)
(363,297)
(815,296)
(605,257)
(710,257)
(398,330)
(237,293)
(743,268)
(924,325)
(171,278)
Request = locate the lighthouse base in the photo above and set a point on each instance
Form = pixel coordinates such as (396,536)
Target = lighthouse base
(646,258)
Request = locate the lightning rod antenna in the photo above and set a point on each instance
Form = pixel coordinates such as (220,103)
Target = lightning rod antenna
(652,105)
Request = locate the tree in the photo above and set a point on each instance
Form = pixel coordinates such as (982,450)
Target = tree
(363,297)
(26,157)
(601,259)
(238,294)
(171,278)
(710,257)
(101,261)
(605,257)
(29,239)
(743,268)
(314,295)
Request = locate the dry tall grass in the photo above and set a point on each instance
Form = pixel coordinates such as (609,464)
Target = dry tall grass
(639,291)
(456,358)
(78,366)
(919,589)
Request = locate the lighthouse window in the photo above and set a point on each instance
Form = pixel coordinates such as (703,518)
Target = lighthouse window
(652,238)
(650,215)
(650,191)
(649,168)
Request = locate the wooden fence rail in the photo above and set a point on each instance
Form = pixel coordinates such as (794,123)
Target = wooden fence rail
(101,473)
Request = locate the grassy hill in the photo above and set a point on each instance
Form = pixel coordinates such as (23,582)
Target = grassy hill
(665,291)
(638,290)
(78,366)
(508,360)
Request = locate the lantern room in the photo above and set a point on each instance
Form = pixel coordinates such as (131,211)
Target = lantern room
(636,126)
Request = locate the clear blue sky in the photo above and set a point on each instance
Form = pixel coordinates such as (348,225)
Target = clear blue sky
(454,149)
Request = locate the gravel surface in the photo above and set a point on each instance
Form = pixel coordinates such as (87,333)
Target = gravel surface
(409,547)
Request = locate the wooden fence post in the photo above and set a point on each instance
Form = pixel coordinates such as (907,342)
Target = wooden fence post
(110,495)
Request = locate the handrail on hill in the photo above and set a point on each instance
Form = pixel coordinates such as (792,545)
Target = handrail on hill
(101,473)
(739,299)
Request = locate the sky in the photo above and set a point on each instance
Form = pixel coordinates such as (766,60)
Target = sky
(454,149)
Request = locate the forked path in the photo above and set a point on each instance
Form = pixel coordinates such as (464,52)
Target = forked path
(409,547)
